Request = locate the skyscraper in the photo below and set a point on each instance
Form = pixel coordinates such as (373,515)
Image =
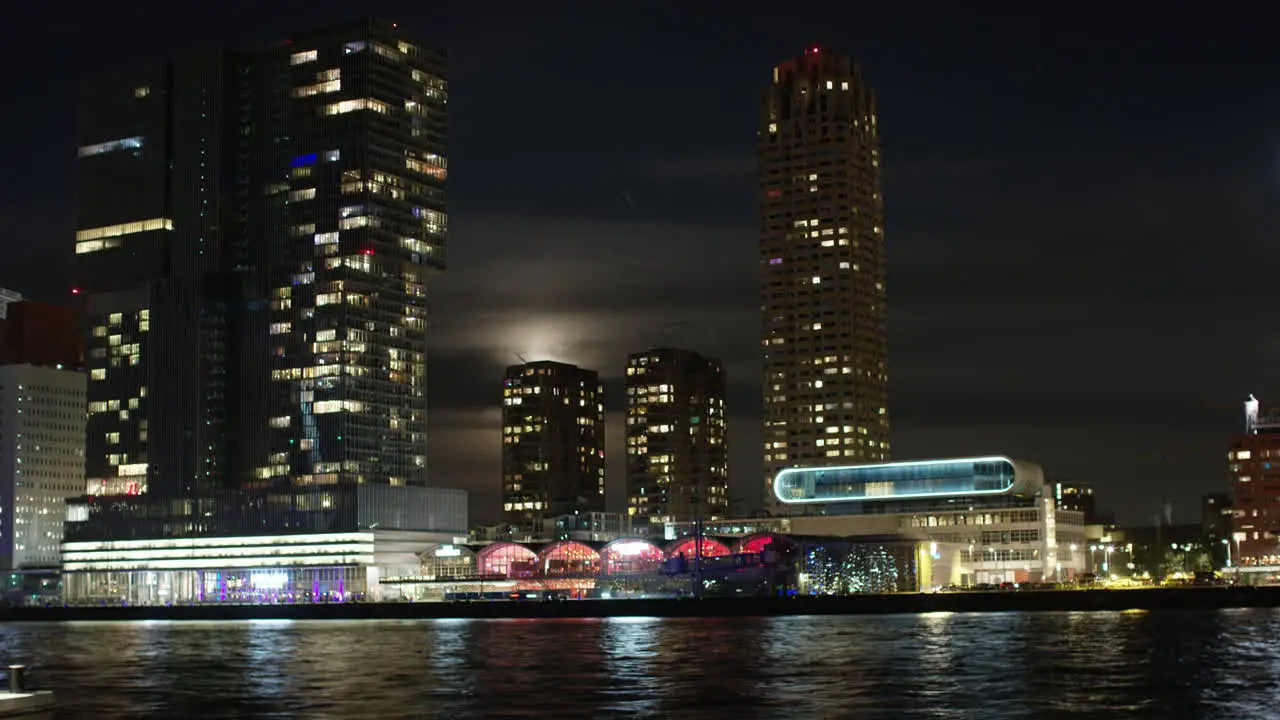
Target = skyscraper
(822,261)
(677,457)
(552,441)
(257,231)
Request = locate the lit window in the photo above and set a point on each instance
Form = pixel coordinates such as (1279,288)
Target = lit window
(347,106)
(104,238)
(304,57)
(329,86)
(142,91)
(111,146)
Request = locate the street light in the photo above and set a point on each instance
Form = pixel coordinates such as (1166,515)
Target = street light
(1228,544)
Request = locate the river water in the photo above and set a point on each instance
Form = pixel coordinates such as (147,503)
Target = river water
(1217,664)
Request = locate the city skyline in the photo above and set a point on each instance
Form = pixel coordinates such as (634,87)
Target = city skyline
(1036,308)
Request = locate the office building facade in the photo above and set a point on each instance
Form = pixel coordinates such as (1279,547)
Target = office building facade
(257,231)
(265,258)
(677,451)
(42,434)
(553,436)
(822,266)
(1253,459)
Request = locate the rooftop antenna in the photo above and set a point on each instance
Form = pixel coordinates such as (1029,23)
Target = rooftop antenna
(522,360)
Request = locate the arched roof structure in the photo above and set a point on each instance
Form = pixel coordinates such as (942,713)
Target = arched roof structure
(507,559)
(687,546)
(758,542)
(568,557)
(629,555)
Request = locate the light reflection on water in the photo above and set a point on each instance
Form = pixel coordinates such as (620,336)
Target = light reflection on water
(940,665)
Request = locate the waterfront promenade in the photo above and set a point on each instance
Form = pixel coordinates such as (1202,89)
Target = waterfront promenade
(1187,598)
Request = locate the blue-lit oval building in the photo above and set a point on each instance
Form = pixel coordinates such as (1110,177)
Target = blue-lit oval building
(919,480)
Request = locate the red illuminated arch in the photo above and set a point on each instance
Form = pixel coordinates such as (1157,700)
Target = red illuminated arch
(687,546)
(507,559)
(628,555)
(759,542)
(568,557)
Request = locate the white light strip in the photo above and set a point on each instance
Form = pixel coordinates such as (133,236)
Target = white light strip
(215,554)
(128,228)
(251,562)
(777,480)
(131,143)
(207,542)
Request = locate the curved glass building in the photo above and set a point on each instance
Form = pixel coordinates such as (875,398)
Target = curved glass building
(923,479)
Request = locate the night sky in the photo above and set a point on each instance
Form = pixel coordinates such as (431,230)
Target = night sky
(1082,215)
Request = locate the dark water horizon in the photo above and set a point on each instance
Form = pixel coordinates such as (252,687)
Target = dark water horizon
(1171,664)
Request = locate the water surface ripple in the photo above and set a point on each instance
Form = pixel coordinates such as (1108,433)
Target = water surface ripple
(1209,664)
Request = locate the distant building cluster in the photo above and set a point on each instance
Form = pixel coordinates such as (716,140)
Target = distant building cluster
(553,441)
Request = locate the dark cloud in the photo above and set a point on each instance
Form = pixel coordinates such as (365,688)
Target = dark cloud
(702,166)
(591,291)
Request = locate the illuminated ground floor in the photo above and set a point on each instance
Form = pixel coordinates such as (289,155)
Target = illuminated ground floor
(316,567)
(760,564)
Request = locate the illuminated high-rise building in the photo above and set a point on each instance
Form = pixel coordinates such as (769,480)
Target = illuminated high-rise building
(677,456)
(257,230)
(552,442)
(822,276)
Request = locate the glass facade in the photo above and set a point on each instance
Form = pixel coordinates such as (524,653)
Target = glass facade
(624,557)
(254,256)
(311,567)
(906,480)
(761,563)
(568,557)
(507,559)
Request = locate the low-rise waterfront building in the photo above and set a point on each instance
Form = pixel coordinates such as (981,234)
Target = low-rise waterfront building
(327,544)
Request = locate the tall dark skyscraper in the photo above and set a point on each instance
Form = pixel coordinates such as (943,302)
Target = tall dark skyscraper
(256,233)
(822,267)
(677,455)
(552,441)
